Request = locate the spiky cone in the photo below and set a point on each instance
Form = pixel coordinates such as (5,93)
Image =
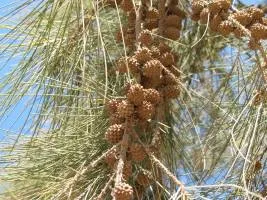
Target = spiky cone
(205,15)
(225,28)
(163,48)
(122,191)
(111,158)
(256,13)
(167,59)
(153,96)
(115,118)
(152,14)
(225,4)
(169,79)
(253,44)
(171,33)
(215,22)
(173,20)
(195,17)
(258,31)
(125,109)
(171,91)
(146,110)
(152,69)
(137,152)
(143,179)
(114,133)
(136,94)
(127,170)
(126,63)
(214,7)
(151,83)
(151,24)
(243,17)
(198,6)
(112,106)
(238,32)
(143,55)
(145,38)
(127,5)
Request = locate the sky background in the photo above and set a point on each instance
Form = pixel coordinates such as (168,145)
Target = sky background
(14,121)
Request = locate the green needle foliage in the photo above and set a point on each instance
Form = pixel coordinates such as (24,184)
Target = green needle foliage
(215,137)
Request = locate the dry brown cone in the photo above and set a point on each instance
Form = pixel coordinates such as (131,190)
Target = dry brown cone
(143,179)
(253,44)
(133,65)
(137,152)
(167,59)
(114,133)
(153,96)
(225,4)
(264,21)
(195,17)
(143,55)
(127,170)
(215,22)
(116,119)
(256,13)
(151,83)
(152,69)
(145,38)
(173,20)
(111,158)
(136,94)
(146,110)
(155,52)
(127,5)
(258,31)
(243,17)
(152,14)
(112,106)
(163,48)
(171,91)
(151,24)
(122,191)
(169,79)
(239,32)
(125,109)
(198,6)
(171,33)
(215,7)
(225,28)
(204,16)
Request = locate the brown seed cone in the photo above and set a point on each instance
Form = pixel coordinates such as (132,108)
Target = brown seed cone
(125,109)
(112,106)
(242,17)
(145,38)
(172,33)
(225,4)
(152,69)
(256,13)
(264,21)
(253,45)
(143,179)
(129,62)
(122,191)
(137,152)
(163,48)
(204,16)
(111,157)
(116,119)
(171,91)
(173,20)
(198,6)
(146,110)
(169,79)
(151,24)
(175,10)
(258,31)
(152,14)
(238,32)
(155,52)
(215,22)
(114,133)
(127,170)
(215,7)
(195,17)
(225,28)
(167,59)
(153,96)
(143,55)
(127,5)
(136,94)
(151,83)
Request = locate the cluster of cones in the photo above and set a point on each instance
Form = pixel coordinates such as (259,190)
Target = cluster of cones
(155,81)
(221,19)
